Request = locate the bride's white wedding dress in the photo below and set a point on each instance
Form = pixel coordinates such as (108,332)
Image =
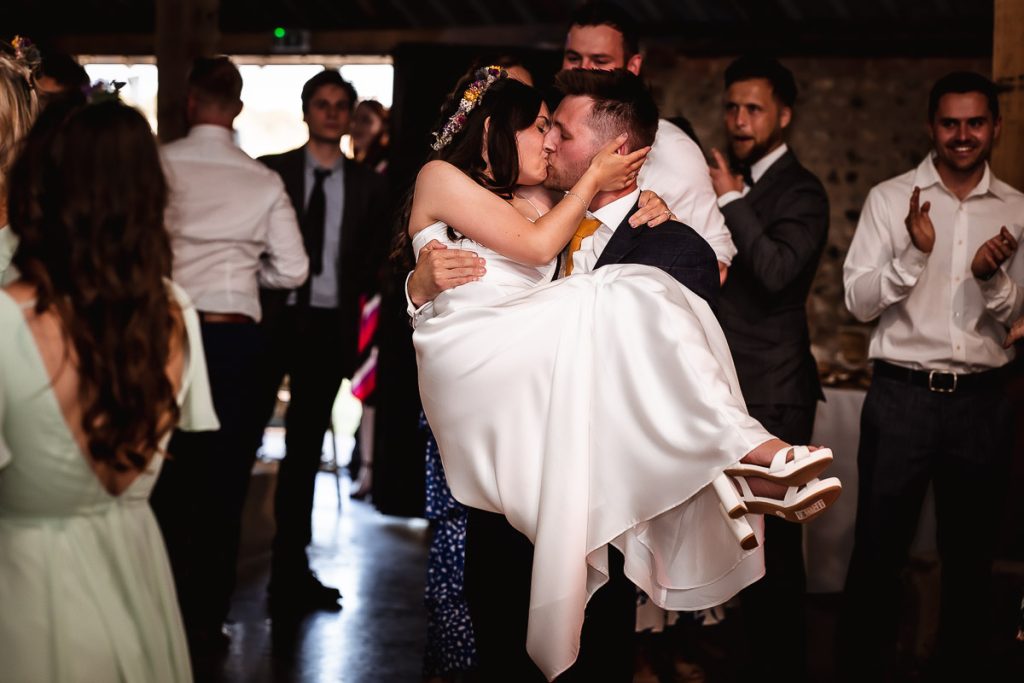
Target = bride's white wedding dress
(593,410)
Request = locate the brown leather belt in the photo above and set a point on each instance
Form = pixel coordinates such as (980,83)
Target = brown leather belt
(235,318)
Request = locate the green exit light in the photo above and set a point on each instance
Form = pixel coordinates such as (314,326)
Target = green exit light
(279,32)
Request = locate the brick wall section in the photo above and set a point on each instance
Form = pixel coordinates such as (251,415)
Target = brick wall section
(858,121)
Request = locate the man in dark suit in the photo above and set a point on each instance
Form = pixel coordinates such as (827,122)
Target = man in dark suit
(777,212)
(597,105)
(312,331)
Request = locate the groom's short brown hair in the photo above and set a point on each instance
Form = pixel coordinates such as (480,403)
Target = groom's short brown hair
(622,103)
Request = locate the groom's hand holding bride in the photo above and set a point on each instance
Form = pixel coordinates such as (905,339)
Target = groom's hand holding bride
(439,269)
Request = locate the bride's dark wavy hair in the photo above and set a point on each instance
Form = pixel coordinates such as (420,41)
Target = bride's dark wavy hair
(88,199)
(511,106)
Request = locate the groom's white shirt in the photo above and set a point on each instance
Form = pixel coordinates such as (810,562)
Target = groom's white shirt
(610,215)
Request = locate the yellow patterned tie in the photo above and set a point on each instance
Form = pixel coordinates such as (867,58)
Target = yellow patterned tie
(588,226)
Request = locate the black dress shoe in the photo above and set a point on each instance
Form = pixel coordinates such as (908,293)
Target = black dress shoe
(302,592)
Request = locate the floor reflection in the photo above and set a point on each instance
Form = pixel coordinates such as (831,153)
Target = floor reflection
(377,562)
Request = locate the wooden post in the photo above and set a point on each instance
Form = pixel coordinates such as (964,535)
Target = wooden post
(185,29)
(1008,71)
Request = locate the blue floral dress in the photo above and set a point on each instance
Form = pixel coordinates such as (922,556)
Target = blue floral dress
(450,646)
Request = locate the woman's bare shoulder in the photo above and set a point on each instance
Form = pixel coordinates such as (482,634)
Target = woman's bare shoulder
(438,170)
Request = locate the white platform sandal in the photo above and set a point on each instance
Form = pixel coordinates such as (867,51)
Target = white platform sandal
(801,504)
(805,466)
(733,511)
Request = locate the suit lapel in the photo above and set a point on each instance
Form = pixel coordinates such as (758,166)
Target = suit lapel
(772,175)
(295,180)
(621,242)
(351,190)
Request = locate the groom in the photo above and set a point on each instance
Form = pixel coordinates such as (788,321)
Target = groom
(596,107)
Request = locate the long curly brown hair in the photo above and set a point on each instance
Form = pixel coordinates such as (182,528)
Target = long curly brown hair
(88,198)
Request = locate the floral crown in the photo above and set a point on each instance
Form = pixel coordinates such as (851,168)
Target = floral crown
(25,57)
(485,78)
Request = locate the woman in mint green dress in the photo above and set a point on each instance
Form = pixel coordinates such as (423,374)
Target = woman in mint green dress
(100,356)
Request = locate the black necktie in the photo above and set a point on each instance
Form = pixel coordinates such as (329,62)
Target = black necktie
(313,222)
(748,176)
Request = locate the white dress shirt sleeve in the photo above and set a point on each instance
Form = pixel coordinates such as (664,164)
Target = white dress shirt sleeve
(875,274)
(677,171)
(728,197)
(284,264)
(416,315)
(1004,298)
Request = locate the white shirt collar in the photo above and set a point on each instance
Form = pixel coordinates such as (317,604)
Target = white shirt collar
(761,166)
(208,131)
(614,213)
(927,175)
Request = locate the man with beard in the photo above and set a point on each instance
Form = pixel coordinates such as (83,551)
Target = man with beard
(928,261)
(777,212)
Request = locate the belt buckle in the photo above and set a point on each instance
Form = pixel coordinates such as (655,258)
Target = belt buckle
(937,389)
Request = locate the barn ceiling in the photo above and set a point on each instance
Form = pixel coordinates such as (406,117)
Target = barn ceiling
(951,27)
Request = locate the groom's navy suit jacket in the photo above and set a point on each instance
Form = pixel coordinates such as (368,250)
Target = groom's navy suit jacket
(673,247)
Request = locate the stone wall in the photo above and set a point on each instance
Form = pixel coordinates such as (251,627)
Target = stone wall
(858,121)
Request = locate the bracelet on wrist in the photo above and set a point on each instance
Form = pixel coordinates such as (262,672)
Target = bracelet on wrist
(581,200)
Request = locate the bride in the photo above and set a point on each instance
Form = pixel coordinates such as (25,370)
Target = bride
(599,409)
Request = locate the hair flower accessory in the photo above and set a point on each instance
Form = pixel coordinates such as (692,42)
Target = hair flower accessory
(471,96)
(26,52)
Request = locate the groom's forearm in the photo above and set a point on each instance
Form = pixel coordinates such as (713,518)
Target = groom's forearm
(420,287)
(439,269)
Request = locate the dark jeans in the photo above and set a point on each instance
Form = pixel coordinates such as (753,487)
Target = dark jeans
(303,343)
(499,562)
(911,437)
(201,491)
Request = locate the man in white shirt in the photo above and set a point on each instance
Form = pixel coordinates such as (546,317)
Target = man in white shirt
(779,219)
(931,261)
(233,230)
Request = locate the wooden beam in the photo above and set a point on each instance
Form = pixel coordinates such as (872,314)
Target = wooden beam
(692,38)
(185,29)
(1008,71)
(330,42)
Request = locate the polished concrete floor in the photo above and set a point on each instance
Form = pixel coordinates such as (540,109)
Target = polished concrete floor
(378,563)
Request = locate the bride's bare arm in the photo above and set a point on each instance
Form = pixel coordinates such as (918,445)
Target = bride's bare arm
(444,193)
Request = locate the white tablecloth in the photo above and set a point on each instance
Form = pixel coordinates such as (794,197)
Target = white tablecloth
(828,540)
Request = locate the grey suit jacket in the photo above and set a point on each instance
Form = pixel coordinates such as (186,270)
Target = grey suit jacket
(780,228)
